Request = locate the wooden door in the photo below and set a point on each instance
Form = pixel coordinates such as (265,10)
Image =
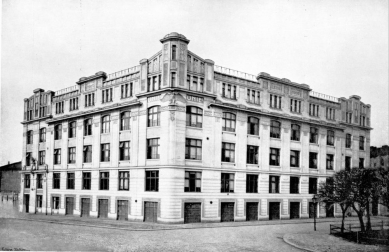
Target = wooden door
(252,211)
(192,213)
(103,208)
(274,210)
(294,210)
(227,212)
(27,202)
(150,211)
(122,210)
(69,205)
(85,207)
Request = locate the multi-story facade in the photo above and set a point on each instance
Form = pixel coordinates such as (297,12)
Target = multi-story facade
(178,139)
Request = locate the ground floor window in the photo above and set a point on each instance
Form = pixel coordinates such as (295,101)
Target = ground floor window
(56,202)
(39,201)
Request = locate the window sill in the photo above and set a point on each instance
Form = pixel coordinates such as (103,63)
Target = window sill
(331,146)
(106,102)
(314,144)
(194,160)
(275,166)
(295,141)
(276,138)
(274,108)
(295,167)
(229,132)
(124,98)
(121,131)
(296,113)
(105,133)
(195,128)
(124,161)
(256,136)
(313,168)
(228,163)
(153,126)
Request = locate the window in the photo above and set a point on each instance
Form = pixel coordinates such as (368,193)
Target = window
(73,104)
(194,84)
(152,181)
(39,181)
(86,180)
(253,96)
(201,88)
(275,129)
(70,181)
(173,82)
(313,160)
(105,120)
(361,163)
(29,136)
(192,181)
(154,116)
(330,113)
(274,156)
(294,185)
(27,181)
(295,105)
(39,201)
(72,155)
(42,135)
(193,149)
(28,158)
(362,120)
(88,154)
(294,158)
(330,137)
(330,162)
(88,127)
(57,156)
(72,129)
(227,182)
(153,148)
(125,118)
(55,202)
(348,117)
(229,122)
(56,180)
(348,140)
(124,180)
(274,184)
(313,136)
(228,152)
(275,101)
(59,107)
(124,150)
(251,183)
(58,132)
(104,180)
(361,143)
(126,90)
(194,117)
(89,100)
(42,157)
(348,163)
(252,154)
(295,134)
(312,185)
(174,52)
(253,126)
(229,91)
(106,95)
(313,109)
(105,152)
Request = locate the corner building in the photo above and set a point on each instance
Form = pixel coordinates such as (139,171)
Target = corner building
(178,139)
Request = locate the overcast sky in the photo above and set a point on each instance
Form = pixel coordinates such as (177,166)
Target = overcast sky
(339,48)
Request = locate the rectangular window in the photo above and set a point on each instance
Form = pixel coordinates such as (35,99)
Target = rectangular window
(313,136)
(193,149)
(194,84)
(361,163)
(104,180)
(39,201)
(155,82)
(348,163)
(361,143)
(173,82)
(42,135)
(29,136)
(252,154)
(106,95)
(330,138)
(251,183)
(253,96)
(28,158)
(253,126)
(192,181)
(42,157)
(72,155)
(274,157)
(275,101)
(70,181)
(89,100)
(294,185)
(295,105)
(105,152)
(227,182)
(294,158)
(349,117)
(312,185)
(330,114)
(201,88)
(313,160)
(330,162)
(73,104)
(153,148)
(295,134)
(274,184)
(348,140)
(56,180)
(72,129)
(313,110)
(228,152)
(124,150)
(57,156)
(86,180)
(56,202)
(87,154)
(124,180)
(27,181)
(152,181)
(39,181)
(126,90)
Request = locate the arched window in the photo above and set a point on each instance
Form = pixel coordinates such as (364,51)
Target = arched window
(58,132)
(313,135)
(194,117)
(253,126)
(295,135)
(125,120)
(275,129)
(72,129)
(330,137)
(105,124)
(154,116)
(88,127)
(229,121)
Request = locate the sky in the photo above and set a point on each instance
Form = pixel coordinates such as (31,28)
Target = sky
(339,48)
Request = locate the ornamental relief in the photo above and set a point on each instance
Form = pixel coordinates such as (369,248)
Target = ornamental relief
(276,87)
(295,92)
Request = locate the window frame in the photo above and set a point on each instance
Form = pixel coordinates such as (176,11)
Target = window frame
(124,148)
(293,187)
(105,124)
(348,141)
(124,181)
(252,126)
(227,179)
(86,181)
(297,157)
(87,154)
(251,183)
(252,154)
(70,181)
(42,157)
(27,181)
(88,126)
(275,129)
(57,156)
(330,162)
(39,181)
(104,181)
(276,154)
(105,152)
(152,182)
(125,120)
(347,167)
(58,132)
(312,164)
(42,135)
(228,118)
(154,116)
(192,182)
(72,129)
(276,184)
(197,148)
(56,180)
(312,186)
(153,146)
(361,143)
(72,155)
(330,137)
(56,202)
(295,132)
(313,135)
(194,118)
(230,150)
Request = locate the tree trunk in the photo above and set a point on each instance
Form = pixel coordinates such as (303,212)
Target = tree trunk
(360,217)
(368,224)
(344,210)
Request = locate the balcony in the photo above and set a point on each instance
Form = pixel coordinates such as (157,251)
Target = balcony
(323,96)
(235,73)
(123,73)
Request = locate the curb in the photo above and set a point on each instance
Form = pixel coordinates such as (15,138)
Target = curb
(295,245)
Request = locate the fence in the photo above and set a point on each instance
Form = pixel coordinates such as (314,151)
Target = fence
(378,235)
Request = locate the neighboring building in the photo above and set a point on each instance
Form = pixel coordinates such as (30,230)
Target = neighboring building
(379,158)
(177,139)
(10,177)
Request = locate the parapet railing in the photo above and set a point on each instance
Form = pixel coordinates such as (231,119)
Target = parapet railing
(123,73)
(66,90)
(235,73)
(323,96)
